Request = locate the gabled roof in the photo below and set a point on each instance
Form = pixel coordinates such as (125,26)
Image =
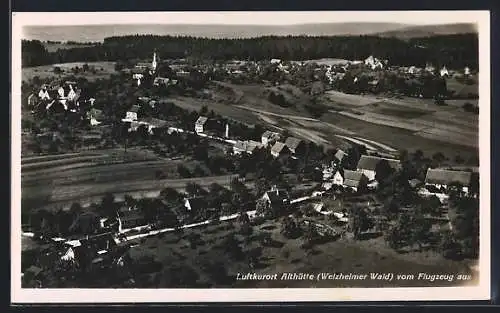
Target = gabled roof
(201,120)
(446,177)
(368,162)
(277,196)
(292,143)
(278,147)
(247,145)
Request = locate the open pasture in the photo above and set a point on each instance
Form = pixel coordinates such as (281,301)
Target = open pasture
(101,70)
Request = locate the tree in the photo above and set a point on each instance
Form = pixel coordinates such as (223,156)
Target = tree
(450,247)
(359,221)
(170,194)
(289,228)
(108,204)
(383,171)
(263,208)
(193,189)
(420,230)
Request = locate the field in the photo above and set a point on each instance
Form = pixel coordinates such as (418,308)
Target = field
(58,180)
(102,70)
(287,256)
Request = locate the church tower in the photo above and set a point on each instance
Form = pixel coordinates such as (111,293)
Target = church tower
(154,64)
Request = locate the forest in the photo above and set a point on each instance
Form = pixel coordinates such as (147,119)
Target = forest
(454,51)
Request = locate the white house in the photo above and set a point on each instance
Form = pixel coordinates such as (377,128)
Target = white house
(43,94)
(279,149)
(199,126)
(275,61)
(466,70)
(338,179)
(441,179)
(350,179)
(367,165)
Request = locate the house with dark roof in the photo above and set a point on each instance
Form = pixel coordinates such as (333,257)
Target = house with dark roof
(247,146)
(269,137)
(129,219)
(367,165)
(199,126)
(296,146)
(441,179)
(279,149)
(339,156)
(276,198)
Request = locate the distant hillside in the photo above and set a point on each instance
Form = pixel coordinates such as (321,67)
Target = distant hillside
(85,33)
(429,30)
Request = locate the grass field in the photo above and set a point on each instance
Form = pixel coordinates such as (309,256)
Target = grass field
(341,256)
(102,70)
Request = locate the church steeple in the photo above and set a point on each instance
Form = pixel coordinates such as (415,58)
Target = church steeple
(154,64)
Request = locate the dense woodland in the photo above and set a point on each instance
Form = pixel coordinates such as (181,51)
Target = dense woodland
(456,51)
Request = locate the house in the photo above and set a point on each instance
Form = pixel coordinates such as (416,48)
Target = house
(296,146)
(350,179)
(131,114)
(161,81)
(95,116)
(199,126)
(443,72)
(339,156)
(276,198)
(355,180)
(367,165)
(269,137)
(275,61)
(129,218)
(247,146)
(374,63)
(466,71)
(441,179)
(279,149)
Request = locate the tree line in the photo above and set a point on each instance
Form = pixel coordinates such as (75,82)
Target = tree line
(454,51)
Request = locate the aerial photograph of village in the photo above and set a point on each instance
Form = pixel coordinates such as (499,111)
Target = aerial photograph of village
(249,156)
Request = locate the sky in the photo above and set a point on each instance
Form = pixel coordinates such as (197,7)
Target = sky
(245,18)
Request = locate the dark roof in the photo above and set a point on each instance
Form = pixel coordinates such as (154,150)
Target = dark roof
(277,196)
(339,155)
(368,162)
(134,108)
(247,145)
(352,178)
(446,177)
(292,143)
(131,215)
(278,147)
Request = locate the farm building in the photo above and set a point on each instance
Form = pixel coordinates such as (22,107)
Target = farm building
(129,218)
(296,146)
(276,198)
(279,149)
(247,146)
(367,165)
(132,114)
(374,63)
(441,179)
(350,179)
(199,126)
(269,137)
